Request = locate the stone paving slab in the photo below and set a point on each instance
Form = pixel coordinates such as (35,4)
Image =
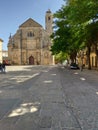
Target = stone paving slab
(71,129)
(45,122)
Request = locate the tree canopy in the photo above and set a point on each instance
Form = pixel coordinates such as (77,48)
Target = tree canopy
(76,26)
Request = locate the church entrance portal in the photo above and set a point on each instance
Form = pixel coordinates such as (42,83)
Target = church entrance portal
(31,60)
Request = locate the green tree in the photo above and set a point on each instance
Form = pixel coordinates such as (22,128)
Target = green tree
(85,14)
(61,57)
(75,23)
(64,36)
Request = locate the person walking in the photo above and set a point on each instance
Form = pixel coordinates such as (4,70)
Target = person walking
(3,67)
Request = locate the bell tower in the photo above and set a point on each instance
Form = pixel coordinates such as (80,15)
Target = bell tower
(49,22)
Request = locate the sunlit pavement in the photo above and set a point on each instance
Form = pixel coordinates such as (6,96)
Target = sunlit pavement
(48,98)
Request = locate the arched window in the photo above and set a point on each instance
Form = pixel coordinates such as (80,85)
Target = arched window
(49,18)
(30,34)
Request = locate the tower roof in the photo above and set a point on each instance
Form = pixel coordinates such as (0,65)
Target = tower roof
(49,11)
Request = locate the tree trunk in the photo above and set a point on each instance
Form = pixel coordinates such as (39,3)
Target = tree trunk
(88,56)
(96,51)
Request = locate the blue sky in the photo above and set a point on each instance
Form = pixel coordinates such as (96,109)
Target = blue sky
(15,12)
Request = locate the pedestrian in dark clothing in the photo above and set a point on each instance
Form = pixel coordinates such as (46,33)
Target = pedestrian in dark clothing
(3,67)
(0,67)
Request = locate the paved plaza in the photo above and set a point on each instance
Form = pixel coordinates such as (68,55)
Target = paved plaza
(48,98)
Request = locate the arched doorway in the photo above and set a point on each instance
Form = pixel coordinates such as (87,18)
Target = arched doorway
(31,60)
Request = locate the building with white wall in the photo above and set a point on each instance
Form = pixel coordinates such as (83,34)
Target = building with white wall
(1,44)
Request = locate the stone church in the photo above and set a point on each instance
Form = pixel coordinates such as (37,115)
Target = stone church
(31,44)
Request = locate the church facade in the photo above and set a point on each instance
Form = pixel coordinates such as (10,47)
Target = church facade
(31,44)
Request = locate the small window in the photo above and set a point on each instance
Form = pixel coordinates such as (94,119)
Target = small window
(49,18)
